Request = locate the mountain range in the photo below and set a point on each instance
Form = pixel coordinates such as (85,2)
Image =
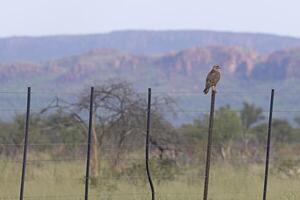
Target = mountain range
(137,42)
(168,61)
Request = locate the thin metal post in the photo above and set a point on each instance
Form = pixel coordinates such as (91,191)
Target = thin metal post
(87,175)
(25,143)
(268,146)
(209,142)
(147,145)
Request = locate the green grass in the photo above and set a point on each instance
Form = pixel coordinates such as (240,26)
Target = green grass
(65,180)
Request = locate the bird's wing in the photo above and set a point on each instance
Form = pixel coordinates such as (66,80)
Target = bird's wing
(217,76)
(212,78)
(209,79)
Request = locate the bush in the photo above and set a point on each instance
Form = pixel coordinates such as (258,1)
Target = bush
(162,170)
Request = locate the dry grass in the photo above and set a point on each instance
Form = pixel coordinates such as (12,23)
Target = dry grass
(65,180)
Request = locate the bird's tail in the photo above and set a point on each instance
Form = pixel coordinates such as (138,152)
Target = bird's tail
(206,90)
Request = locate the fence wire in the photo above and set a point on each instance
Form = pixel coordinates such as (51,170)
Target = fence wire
(57,150)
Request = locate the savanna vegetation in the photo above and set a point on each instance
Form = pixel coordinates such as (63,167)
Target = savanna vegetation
(57,151)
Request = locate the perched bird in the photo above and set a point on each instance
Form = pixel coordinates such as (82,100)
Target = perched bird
(212,78)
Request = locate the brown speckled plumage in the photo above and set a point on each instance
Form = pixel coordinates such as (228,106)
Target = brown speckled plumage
(212,78)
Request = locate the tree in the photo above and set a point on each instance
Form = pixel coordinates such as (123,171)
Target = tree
(227,127)
(57,127)
(281,131)
(12,132)
(119,113)
(119,108)
(297,120)
(193,135)
(250,115)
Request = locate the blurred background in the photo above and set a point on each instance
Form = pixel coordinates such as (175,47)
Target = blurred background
(62,48)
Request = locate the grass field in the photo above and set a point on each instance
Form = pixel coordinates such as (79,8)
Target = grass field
(65,180)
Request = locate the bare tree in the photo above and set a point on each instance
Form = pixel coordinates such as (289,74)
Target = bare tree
(119,114)
(119,108)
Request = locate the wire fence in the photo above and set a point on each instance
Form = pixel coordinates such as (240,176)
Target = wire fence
(56,160)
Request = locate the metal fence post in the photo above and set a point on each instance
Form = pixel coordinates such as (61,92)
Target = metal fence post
(25,143)
(209,142)
(87,175)
(147,145)
(268,146)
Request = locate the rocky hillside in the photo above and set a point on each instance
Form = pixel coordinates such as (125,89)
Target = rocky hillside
(243,70)
(280,65)
(189,65)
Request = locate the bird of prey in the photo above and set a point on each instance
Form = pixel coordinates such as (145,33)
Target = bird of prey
(212,78)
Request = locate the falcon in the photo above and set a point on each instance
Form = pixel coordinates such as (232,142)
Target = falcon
(212,78)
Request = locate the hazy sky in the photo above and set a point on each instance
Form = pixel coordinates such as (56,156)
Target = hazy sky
(48,17)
